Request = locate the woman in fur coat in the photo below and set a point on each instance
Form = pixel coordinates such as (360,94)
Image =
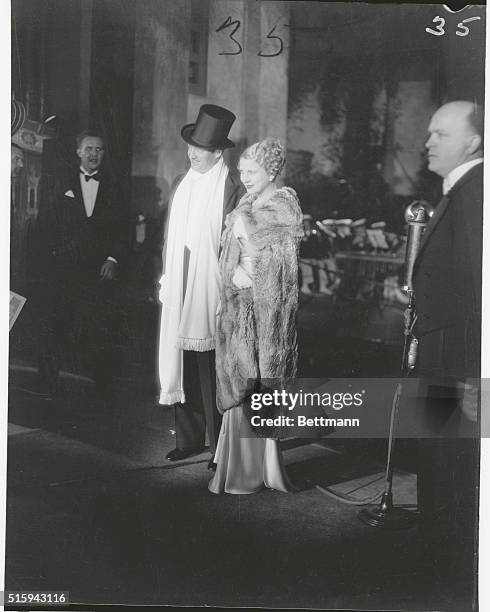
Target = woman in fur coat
(256,330)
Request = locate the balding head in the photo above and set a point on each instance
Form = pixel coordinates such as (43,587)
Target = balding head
(456,136)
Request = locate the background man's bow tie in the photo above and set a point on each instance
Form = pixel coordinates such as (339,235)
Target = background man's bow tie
(94,176)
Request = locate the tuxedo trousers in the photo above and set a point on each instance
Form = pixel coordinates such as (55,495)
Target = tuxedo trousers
(199,412)
(81,329)
(448,465)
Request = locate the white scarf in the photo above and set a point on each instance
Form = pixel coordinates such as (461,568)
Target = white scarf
(189,322)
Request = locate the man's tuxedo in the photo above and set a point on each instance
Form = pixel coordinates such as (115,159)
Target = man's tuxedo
(447,282)
(447,286)
(79,244)
(79,305)
(199,413)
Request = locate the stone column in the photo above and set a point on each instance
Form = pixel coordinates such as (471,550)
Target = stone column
(265,87)
(160,90)
(273,79)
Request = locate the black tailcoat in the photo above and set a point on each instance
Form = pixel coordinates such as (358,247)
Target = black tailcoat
(447,282)
(447,285)
(78,244)
(80,314)
(199,413)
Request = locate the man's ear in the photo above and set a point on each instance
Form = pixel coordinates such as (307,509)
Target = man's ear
(79,153)
(474,144)
(218,153)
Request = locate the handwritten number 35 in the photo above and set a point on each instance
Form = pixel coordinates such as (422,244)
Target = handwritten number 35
(229,23)
(439,31)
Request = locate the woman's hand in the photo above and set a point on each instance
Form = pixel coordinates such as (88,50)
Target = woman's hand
(241,279)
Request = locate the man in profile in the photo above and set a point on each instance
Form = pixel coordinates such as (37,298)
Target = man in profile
(447,286)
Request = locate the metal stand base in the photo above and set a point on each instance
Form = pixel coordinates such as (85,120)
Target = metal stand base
(386,516)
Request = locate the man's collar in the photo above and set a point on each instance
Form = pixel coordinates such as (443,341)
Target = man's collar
(453,177)
(83,171)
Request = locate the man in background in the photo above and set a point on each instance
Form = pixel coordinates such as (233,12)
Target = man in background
(447,286)
(85,233)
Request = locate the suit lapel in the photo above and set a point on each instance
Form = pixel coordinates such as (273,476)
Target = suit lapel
(100,196)
(436,217)
(77,190)
(232,186)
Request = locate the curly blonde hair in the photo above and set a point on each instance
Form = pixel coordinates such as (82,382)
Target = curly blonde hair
(268,153)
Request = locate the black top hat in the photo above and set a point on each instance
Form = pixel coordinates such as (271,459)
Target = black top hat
(211,128)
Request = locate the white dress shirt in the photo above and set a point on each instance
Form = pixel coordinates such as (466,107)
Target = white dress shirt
(453,177)
(89,193)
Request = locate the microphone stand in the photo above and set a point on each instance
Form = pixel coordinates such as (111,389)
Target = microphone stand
(386,515)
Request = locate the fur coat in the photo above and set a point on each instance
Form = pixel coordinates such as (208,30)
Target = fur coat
(256,327)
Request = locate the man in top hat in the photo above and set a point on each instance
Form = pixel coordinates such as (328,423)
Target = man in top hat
(198,205)
(447,288)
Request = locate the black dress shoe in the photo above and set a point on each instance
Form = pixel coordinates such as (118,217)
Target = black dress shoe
(181,453)
(212,465)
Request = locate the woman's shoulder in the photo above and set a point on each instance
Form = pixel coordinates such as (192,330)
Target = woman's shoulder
(281,210)
(288,192)
(286,199)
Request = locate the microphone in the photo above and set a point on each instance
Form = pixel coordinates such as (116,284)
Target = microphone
(417,216)
(386,515)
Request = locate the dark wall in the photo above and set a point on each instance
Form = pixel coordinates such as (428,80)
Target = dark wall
(46,56)
(111,91)
(75,59)
(46,41)
(464,56)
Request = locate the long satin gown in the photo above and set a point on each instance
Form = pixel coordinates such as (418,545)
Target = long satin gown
(246,464)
